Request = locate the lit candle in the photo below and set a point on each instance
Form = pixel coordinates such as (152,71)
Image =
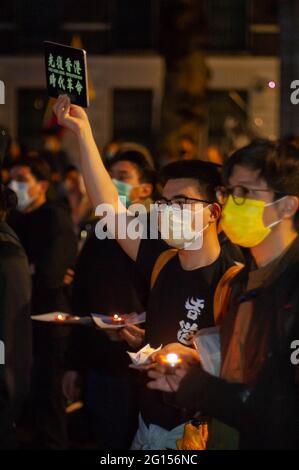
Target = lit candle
(171,361)
(60,317)
(117,320)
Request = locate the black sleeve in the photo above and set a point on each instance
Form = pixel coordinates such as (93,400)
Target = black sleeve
(15,334)
(266,412)
(215,397)
(149,251)
(61,253)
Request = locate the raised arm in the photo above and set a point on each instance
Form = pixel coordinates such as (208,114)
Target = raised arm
(99,185)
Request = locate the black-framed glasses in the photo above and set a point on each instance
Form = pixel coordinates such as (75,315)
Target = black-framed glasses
(240,193)
(179,203)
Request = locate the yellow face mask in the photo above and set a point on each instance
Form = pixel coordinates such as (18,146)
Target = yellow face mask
(243,223)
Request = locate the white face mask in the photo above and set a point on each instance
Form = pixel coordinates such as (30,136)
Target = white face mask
(21,190)
(177,231)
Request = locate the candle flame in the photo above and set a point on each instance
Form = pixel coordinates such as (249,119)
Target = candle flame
(171,359)
(60,317)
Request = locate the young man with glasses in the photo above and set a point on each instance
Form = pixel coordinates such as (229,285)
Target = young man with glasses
(256,398)
(181,299)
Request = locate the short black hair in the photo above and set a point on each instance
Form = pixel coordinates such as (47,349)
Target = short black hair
(38,167)
(277,163)
(206,174)
(146,173)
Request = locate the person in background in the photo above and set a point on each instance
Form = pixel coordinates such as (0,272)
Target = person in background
(187,148)
(15,325)
(47,235)
(54,155)
(106,282)
(214,155)
(79,202)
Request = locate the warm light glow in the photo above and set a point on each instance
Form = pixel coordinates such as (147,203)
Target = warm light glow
(60,317)
(271,84)
(117,319)
(171,359)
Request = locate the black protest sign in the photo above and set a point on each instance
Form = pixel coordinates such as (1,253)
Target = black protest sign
(66,72)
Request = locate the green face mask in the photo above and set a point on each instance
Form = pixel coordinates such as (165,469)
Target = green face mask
(123,189)
(243,223)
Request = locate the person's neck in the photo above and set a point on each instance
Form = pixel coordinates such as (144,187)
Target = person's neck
(206,255)
(274,245)
(36,204)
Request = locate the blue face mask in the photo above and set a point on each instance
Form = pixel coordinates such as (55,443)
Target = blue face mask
(123,189)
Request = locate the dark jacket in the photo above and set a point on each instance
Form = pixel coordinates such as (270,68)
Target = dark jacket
(51,246)
(105,282)
(15,330)
(264,409)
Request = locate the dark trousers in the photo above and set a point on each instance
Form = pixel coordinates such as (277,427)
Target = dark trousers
(48,403)
(112,403)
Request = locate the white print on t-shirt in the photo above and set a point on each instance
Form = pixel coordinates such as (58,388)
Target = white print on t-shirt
(187,329)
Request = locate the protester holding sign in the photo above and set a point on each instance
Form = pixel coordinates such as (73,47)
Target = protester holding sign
(181,299)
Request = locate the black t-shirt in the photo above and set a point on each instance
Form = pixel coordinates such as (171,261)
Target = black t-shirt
(180,303)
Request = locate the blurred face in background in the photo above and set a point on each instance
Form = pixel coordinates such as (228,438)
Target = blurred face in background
(73,182)
(128,173)
(187,149)
(31,192)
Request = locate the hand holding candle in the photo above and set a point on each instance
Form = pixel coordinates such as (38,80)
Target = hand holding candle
(172,364)
(165,377)
(185,354)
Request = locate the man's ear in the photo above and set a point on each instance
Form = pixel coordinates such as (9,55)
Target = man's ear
(215,211)
(146,190)
(291,206)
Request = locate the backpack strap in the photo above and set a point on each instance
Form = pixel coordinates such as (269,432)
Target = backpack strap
(161,261)
(223,292)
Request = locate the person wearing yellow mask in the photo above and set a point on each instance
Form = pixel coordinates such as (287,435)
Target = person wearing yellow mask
(254,401)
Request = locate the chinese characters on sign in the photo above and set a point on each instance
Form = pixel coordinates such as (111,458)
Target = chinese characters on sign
(66,72)
(62,76)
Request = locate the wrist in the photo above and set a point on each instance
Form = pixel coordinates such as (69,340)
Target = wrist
(83,131)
